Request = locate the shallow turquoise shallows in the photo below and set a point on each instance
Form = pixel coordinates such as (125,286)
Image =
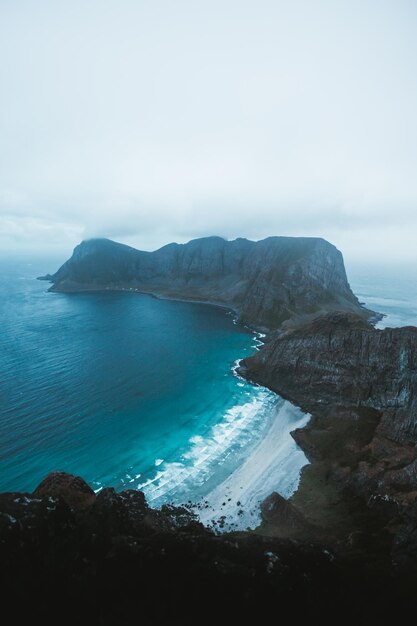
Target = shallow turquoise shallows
(122,389)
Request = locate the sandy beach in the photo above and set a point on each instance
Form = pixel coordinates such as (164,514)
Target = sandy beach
(273,465)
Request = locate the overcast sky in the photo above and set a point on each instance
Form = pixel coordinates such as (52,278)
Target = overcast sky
(149,121)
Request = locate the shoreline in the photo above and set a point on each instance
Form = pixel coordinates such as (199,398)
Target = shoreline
(373,317)
(274,464)
(159,296)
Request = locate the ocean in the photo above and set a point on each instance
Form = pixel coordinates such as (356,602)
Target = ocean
(390,290)
(126,390)
(134,392)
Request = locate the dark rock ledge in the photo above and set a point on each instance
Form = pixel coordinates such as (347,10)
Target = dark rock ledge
(69,556)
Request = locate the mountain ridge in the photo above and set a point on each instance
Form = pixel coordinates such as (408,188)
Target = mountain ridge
(266,282)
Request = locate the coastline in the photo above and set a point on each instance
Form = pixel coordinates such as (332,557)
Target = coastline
(299,320)
(160,296)
(274,464)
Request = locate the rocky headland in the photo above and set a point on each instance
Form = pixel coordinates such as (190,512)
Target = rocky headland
(359,384)
(343,548)
(265,282)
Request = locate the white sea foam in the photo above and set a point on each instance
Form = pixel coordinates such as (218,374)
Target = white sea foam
(258,340)
(226,489)
(273,465)
(235,367)
(207,459)
(246,456)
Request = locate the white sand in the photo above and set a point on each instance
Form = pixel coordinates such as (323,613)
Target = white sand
(274,465)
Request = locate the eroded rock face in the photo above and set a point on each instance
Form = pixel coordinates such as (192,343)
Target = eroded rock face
(359,384)
(340,360)
(265,282)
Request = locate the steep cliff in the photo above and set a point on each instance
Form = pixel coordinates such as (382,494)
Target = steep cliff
(265,282)
(340,359)
(360,386)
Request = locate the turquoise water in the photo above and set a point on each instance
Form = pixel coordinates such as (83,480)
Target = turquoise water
(122,389)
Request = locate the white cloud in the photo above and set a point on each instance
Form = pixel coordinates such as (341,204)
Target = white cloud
(150,122)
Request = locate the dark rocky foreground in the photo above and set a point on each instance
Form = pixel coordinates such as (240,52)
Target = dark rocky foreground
(265,282)
(68,556)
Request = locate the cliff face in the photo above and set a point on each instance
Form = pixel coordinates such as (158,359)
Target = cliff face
(341,360)
(360,386)
(265,282)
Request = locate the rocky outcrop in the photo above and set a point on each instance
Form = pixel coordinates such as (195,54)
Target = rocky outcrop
(115,561)
(339,359)
(72,489)
(360,386)
(265,282)
(284,516)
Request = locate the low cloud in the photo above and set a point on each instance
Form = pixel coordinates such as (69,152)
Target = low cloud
(149,124)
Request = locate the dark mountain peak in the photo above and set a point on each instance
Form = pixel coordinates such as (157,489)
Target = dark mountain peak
(208,239)
(92,240)
(206,243)
(202,242)
(97,244)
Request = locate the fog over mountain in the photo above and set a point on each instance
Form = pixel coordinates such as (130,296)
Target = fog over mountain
(150,122)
